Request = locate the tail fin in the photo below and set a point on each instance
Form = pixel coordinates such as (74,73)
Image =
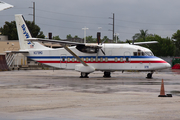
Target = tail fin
(23,33)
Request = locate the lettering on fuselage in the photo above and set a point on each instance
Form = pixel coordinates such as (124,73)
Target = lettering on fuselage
(146,66)
(25,33)
(38,52)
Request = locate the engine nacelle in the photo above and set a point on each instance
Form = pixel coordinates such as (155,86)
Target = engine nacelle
(85,69)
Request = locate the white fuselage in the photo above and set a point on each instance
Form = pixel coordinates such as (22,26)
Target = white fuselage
(117,57)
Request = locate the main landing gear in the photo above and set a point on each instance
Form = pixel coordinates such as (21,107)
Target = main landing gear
(149,75)
(107,74)
(84,75)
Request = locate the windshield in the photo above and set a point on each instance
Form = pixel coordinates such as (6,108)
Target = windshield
(149,54)
(140,53)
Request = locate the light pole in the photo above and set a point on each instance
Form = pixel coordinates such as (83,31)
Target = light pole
(116,34)
(85,28)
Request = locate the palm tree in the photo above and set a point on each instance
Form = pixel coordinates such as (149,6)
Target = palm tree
(142,35)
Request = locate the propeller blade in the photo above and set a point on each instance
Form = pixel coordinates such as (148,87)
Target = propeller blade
(103,52)
(97,54)
(128,41)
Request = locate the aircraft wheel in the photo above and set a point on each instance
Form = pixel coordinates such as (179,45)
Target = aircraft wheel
(149,75)
(84,75)
(107,74)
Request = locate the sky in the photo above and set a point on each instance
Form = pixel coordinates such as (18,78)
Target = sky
(63,17)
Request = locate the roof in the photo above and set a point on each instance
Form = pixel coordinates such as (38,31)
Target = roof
(9,45)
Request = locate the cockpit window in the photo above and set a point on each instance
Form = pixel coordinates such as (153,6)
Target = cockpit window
(149,54)
(135,53)
(140,53)
(86,49)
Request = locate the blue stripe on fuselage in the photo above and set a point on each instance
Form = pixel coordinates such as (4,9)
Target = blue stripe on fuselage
(58,57)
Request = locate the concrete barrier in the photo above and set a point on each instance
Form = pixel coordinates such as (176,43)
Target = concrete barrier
(3,64)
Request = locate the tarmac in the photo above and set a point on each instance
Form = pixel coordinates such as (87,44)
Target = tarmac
(62,95)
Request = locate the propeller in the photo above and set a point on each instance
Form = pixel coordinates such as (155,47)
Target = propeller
(99,41)
(128,41)
(103,52)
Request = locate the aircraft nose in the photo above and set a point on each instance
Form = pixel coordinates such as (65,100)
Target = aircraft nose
(168,65)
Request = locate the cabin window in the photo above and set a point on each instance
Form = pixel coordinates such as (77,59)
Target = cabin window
(101,59)
(96,59)
(72,59)
(92,59)
(115,59)
(82,59)
(87,49)
(127,59)
(121,59)
(68,59)
(87,59)
(106,59)
(77,60)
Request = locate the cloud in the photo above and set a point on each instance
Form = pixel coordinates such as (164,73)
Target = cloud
(63,17)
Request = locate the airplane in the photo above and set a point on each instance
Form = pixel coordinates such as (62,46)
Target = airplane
(4,5)
(88,57)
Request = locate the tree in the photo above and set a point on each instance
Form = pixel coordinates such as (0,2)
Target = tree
(69,36)
(164,47)
(142,35)
(76,37)
(176,36)
(56,37)
(34,30)
(105,39)
(10,30)
(90,39)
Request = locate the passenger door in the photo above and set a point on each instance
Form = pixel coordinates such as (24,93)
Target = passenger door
(127,57)
(63,61)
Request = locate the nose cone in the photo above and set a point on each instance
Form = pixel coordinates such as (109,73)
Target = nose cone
(168,65)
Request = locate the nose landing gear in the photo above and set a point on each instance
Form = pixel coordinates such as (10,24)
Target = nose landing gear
(84,75)
(149,75)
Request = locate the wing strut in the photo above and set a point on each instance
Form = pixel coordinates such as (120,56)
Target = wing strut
(77,57)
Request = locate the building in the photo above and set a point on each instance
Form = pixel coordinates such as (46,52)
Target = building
(18,60)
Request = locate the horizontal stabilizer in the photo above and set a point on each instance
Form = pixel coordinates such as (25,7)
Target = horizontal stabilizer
(17,51)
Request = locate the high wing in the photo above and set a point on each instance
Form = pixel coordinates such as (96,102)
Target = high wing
(4,5)
(63,42)
(148,42)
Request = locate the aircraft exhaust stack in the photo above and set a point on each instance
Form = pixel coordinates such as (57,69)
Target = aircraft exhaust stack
(98,37)
(50,35)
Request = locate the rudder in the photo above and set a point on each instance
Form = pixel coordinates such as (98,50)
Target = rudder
(23,32)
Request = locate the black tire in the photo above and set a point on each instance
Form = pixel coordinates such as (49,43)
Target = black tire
(107,74)
(84,75)
(149,75)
